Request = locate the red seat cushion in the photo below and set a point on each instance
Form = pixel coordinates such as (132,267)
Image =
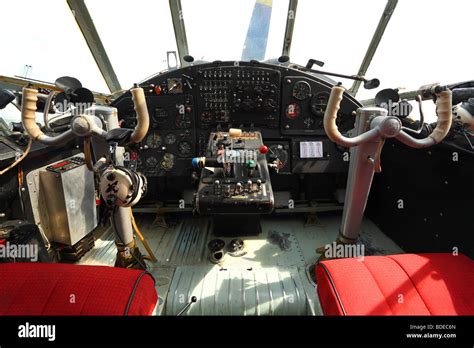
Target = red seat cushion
(406,284)
(62,289)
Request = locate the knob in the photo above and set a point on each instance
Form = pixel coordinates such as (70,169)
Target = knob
(263,149)
(249,185)
(217,188)
(239,187)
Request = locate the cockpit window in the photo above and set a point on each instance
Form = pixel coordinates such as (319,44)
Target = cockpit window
(136,35)
(419,49)
(235,29)
(337,32)
(41,40)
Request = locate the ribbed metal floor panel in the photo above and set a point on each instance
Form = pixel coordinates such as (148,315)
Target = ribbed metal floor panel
(240,291)
(272,278)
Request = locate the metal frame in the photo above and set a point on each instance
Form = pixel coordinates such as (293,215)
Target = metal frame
(86,25)
(290,24)
(179,30)
(369,55)
(17,83)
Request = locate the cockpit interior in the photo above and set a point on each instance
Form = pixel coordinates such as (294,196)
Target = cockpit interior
(193,171)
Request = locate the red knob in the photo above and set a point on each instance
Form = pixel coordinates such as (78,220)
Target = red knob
(158,90)
(263,149)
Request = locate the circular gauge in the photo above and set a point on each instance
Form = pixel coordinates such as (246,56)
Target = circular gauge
(319,102)
(184,149)
(160,116)
(206,116)
(151,161)
(153,140)
(183,121)
(170,139)
(175,86)
(292,111)
(301,90)
(308,122)
(278,153)
(167,163)
(269,104)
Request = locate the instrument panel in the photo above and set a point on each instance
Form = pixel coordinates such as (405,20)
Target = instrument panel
(286,105)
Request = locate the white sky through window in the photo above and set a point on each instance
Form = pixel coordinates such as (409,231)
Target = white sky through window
(426,40)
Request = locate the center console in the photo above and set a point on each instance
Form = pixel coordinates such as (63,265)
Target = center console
(234,184)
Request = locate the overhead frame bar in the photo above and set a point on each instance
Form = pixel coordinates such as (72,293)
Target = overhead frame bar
(179,30)
(84,21)
(290,24)
(369,55)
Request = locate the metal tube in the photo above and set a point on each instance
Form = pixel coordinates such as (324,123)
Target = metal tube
(369,55)
(290,24)
(86,24)
(359,180)
(179,30)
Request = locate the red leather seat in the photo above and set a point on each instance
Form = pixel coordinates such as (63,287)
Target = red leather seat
(62,289)
(406,284)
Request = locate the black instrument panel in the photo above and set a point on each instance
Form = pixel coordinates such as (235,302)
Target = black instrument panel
(286,105)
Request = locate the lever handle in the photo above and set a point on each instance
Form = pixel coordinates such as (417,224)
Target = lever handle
(330,125)
(443,125)
(141,110)
(28,118)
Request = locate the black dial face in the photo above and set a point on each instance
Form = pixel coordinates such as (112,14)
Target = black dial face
(206,117)
(319,103)
(153,140)
(175,86)
(184,149)
(183,121)
(160,116)
(167,163)
(308,122)
(170,139)
(301,90)
(278,154)
(269,104)
(151,161)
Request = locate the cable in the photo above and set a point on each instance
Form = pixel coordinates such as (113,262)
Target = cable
(46,111)
(20,186)
(142,239)
(114,227)
(3,171)
(87,153)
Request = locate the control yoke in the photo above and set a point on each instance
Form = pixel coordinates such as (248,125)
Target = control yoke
(82,124)
(120,187)
(389,126)
(374,125)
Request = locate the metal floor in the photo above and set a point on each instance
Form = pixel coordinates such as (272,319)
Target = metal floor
(272,278)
